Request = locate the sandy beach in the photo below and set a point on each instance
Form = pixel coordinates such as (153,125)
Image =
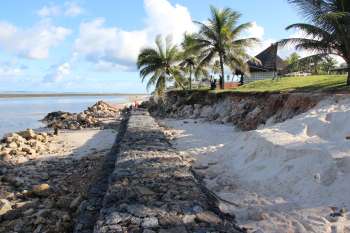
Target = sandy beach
(285,177)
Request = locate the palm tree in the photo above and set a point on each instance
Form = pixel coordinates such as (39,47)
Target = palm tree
(328,30)
(160,64)
(188,65)
(190,60)
(219,39)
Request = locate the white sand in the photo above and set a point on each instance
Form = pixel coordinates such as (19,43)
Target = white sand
(284,177)
(80,143)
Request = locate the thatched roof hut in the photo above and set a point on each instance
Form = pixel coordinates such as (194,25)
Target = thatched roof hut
(269,61)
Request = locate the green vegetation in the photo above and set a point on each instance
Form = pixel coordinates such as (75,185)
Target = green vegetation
(218,46)
(160,64)
(219,40)
(316,83)
(297,84)
(190,61)
(315,64)
(293,62)
(327,31)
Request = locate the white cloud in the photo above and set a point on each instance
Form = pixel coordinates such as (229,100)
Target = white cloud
(58,73)
(164,18)
(34,42)
(69,8)
(72,9)
(49,11)
(106,66)
(11,69)
(258,32)
(101,44)
(106,45)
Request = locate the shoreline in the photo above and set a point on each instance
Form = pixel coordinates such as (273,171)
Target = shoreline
(39,95)
(25,116)
(44,192)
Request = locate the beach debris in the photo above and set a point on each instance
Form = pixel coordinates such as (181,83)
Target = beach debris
(90,118)
(25,145)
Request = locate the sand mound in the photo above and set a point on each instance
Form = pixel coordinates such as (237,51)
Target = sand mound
(285,177)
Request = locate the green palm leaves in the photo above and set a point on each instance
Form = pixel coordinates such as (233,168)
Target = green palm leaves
(218,41)
(160,64)
(328,31)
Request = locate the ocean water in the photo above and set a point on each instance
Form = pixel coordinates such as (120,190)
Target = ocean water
(21,113)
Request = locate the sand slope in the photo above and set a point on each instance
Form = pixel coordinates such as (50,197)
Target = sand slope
(284,177)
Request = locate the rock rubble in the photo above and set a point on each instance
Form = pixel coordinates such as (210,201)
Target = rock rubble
(25,145)
(41,193)
(92,117)
(44,195)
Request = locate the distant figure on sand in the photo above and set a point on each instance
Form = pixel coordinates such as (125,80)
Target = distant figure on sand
(213,84)
(136,104)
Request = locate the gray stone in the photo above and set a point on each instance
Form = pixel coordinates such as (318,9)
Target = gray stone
(208,217)
(116,217)
(150,222)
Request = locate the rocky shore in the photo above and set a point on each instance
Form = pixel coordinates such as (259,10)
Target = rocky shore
(44,178)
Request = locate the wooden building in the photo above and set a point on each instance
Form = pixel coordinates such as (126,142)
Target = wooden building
(270,66)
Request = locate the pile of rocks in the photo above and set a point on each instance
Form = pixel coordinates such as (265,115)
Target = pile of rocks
(21,146)
(92,117)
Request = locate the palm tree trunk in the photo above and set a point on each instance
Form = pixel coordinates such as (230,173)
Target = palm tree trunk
(222,79)
(190,79)
(348,80)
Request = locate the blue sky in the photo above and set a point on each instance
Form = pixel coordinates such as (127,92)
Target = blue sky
(91,46)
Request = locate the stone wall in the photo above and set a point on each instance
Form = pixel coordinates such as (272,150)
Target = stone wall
(152,188)
(245,110)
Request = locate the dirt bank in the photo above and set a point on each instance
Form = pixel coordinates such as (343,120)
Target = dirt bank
(245,111)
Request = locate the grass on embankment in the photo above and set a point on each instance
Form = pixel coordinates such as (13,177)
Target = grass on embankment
(326,83)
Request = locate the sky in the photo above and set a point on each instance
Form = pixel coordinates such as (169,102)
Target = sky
(92,46)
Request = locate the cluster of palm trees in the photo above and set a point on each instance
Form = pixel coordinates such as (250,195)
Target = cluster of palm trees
(327,31)
(217,44)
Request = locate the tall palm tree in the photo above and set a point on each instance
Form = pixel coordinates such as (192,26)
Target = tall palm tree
(327,30)
(220,39)
(160,64)
(188,66)
(190,60)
